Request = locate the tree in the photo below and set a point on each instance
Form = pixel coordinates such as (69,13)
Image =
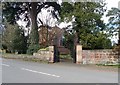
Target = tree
(19,41)
(114,24)
(86,18)
(114,21)
(97,41)
(14,38)
(13,10)
(68,40)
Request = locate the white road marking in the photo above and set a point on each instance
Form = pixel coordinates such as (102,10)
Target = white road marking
(5,65)
(40,72)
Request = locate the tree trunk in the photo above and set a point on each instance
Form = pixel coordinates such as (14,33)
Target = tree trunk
(34,37)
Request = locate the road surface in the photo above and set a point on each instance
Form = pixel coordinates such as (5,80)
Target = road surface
(18,71)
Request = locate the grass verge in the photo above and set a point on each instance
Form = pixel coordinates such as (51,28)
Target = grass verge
(109,65)
(24,57)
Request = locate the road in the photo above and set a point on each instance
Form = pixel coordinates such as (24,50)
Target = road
(18,71)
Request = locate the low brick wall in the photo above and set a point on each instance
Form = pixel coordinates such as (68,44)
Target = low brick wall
(99,57)
(2,51)
(45,55)
(42,55)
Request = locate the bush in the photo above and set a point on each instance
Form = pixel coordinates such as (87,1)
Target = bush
(33,48)
(66,56)
(3,46)
(46,49)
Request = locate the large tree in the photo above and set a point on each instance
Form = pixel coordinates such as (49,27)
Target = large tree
(86,18)
(114,24)
(13,10)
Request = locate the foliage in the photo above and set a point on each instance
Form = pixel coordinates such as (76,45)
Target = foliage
(3,46)
(8,35)
(114,19)
(44,49)
(33,48)
(19,41)
(14,39)
(65,56)
(87,24)
(85,16)
(68,40)
(114,22)
(97,41)
(114,25)
(13,10)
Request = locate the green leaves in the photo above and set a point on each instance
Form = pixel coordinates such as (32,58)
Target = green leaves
(66,11)
(88,24)
(114,15)
(113,12)
(95,41)
(10,10)
(33,48)
(114,22)
(14,39)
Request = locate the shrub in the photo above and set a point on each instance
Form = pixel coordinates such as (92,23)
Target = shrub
(33,48)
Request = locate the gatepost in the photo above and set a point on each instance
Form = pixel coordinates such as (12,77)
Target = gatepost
(51,54)
(78,54)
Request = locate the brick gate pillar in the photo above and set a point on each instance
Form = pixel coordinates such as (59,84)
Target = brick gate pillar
(51,54)
(78,54)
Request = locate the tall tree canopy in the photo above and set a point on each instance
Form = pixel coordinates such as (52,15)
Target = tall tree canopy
(87,23)
(114,21)
(114,25)
(85,16)
(13,10)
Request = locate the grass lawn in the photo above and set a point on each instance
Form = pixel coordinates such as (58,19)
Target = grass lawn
(109,65)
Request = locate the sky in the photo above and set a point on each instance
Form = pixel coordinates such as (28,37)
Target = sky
(110,4)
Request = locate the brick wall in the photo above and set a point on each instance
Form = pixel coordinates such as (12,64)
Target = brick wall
(45,55)
(42,55)
(99,57)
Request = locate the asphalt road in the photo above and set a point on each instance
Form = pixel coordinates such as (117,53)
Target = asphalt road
(18,71)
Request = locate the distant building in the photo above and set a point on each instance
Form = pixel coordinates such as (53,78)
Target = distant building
(50,35)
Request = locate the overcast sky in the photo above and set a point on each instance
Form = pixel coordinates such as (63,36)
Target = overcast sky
(110,4)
